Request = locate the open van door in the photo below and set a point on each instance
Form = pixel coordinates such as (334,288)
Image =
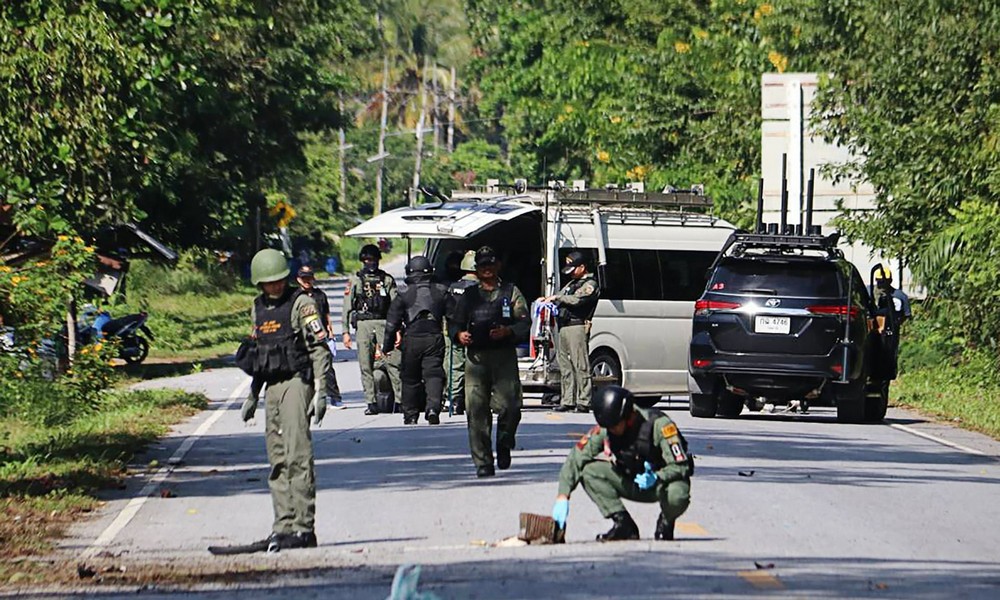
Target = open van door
(446,220)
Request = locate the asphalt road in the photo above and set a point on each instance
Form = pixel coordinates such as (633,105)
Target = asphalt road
(783,505)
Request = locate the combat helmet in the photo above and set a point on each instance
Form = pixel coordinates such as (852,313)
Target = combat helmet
(612,404)
(370,251)
(268,265)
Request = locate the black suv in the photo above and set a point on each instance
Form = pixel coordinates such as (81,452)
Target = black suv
(785,318)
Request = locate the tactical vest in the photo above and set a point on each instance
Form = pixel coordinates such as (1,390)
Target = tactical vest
(634,448)
(582,312)
(322,303)
(281,354)
(372,298)
(455,293)
(485,316)
(424,301)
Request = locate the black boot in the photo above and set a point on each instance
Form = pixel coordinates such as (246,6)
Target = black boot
(372,409)
(299,539)
(664,528)
(433,418)
(503,458)
(623,529)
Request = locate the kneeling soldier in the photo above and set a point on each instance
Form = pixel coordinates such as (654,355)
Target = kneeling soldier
(632,453)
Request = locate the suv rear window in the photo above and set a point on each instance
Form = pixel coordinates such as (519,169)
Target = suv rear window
(779,278)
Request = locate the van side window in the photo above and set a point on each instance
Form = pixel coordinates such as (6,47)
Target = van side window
(675,275)
(646,274)
(683,273)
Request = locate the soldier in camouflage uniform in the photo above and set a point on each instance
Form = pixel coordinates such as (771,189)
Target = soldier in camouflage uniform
(632,453)
(489,321)
(577,302)
(290,358)
(367,298)
(455,358)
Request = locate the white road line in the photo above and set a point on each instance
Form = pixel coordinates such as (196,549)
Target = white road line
(933,438)
(132,508)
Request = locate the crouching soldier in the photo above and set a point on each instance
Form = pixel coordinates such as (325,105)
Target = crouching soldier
(632,453)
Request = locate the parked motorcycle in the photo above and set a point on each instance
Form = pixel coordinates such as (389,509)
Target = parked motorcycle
(133,348)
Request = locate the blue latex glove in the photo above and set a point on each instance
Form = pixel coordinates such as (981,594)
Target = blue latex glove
(646,480)
(559,513)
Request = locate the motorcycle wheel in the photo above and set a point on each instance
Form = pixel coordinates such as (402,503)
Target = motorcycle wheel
(143,347)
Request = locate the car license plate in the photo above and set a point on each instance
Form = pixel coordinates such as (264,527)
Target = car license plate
(780,325)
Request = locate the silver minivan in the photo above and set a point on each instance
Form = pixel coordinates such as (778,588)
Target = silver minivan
(651,252)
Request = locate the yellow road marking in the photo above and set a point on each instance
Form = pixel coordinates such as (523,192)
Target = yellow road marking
(762,580)
(691,529)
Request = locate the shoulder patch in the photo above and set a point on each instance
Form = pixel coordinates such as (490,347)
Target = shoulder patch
(307,309)
(669,430)
(678,452)
(586,437)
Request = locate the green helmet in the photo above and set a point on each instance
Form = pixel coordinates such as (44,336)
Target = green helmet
(268,265)
(469,261)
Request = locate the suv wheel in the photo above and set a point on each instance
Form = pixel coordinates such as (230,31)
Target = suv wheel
(876,401)
(702,405)
(605,369)
(850,398)
(730,405)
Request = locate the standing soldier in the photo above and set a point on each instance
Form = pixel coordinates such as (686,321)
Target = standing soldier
(291,358)
(632,453)
(577,302)
(456,352)
(491,318)
(369,293)
(307,283)
(419,311)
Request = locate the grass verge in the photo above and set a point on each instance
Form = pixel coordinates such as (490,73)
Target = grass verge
(948,394)
(49,476)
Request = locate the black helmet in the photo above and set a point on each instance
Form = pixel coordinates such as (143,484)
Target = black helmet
(370,251)
(612,404)
(418,264)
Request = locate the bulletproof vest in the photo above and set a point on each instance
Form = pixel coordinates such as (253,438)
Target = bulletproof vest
(636,446)
(281,354)
(424,301)
(322,303)
(582,312)
(486,315)
(456,291)
(372,298)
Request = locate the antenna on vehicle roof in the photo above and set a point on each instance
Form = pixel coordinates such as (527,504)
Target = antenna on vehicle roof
(808,229)
(759,225)
(784,195)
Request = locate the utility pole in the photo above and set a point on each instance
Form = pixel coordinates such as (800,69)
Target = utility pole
(434,109)
(342,146)
(451,113)
(420,136)
(381,134)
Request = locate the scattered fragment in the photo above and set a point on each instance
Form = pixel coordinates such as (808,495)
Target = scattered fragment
(356,440)
(877,585)
(478,542)
(761,565)
(709,447)
(540,529)
(167,493)
(747,473)
(154,464)
(253,478)
(511,542)
(85,571)
(192,511)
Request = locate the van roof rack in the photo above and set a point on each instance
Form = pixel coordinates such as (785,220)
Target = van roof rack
(679,199)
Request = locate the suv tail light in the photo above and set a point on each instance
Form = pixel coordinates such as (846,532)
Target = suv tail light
(702,307)
(838,309)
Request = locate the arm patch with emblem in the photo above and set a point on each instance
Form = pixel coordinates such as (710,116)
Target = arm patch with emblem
(310,319)
(677,450)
